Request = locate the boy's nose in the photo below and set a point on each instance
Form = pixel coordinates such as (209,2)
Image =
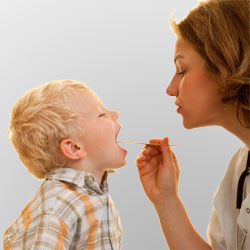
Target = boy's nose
(114,115)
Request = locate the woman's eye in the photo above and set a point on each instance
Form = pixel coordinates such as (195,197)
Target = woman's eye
(181,73)
(101,115)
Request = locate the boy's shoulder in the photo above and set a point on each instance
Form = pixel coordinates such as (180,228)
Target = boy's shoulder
(67,195)
(68,192)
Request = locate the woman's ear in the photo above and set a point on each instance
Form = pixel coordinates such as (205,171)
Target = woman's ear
(71,149)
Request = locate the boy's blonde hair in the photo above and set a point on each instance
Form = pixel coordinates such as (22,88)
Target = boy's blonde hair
(40,120)
(219,30)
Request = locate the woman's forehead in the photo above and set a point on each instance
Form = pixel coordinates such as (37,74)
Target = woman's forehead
(185,51)
(181,46)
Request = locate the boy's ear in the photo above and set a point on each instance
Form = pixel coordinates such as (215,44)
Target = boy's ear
(71,149)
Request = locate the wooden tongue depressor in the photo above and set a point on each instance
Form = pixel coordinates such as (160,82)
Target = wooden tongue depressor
(143,143)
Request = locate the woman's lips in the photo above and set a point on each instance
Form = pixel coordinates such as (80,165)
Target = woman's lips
(178,105)
(178,109)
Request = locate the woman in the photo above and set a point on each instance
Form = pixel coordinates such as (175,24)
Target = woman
(211,86)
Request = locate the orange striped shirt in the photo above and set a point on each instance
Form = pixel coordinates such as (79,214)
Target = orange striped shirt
(69,211)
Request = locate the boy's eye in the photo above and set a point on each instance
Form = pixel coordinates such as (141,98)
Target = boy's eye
(101,115)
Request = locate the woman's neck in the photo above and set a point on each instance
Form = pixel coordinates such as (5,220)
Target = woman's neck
(242,133)
(232,124)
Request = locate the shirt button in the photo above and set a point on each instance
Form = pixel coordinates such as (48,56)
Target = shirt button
(90,178)
(248,210)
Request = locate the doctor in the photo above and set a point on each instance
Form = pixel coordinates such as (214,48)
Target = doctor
(211,87)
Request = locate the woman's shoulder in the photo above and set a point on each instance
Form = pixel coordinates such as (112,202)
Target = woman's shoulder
(239,160)
(229,182)
(241,151)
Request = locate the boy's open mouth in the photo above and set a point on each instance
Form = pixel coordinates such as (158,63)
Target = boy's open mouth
(117,134)
(117,143)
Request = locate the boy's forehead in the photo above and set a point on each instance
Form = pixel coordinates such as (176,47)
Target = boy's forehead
(95,101)
(96,97)
(85,102)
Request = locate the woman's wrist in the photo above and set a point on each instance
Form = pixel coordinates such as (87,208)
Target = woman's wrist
(165,202)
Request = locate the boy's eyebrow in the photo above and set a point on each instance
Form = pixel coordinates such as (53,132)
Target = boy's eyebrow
(98,105)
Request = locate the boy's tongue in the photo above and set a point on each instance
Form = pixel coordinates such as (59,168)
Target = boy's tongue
(118,144)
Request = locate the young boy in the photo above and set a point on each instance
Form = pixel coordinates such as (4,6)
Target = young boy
(64,134)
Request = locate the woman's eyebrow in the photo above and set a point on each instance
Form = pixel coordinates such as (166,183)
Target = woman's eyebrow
(178,57)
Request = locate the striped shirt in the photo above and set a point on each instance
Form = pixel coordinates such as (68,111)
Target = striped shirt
(69,211)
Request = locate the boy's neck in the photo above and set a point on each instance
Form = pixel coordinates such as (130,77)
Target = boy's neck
(79,165)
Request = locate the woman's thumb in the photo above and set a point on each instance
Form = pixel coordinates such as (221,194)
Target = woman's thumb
(166,151)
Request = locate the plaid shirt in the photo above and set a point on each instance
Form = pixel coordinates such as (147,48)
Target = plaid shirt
(69,211)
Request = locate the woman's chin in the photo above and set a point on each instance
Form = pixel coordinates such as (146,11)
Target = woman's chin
(186,125)
(189,125)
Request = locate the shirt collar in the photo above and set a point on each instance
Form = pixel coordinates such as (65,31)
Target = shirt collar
(80,178)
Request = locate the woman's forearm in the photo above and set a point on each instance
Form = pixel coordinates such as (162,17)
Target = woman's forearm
(177,227)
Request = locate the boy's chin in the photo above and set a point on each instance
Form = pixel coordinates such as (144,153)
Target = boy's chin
(124,163)
(120,165)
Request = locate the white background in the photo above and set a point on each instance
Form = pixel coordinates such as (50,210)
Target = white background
(123,50)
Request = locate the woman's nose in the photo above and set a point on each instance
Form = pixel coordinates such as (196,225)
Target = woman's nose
(172,89)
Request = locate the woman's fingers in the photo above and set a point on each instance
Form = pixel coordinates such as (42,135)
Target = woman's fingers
(152,150)
(155,140)
(147,157)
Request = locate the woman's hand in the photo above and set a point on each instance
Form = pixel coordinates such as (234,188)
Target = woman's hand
(159,174)
(159,171)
